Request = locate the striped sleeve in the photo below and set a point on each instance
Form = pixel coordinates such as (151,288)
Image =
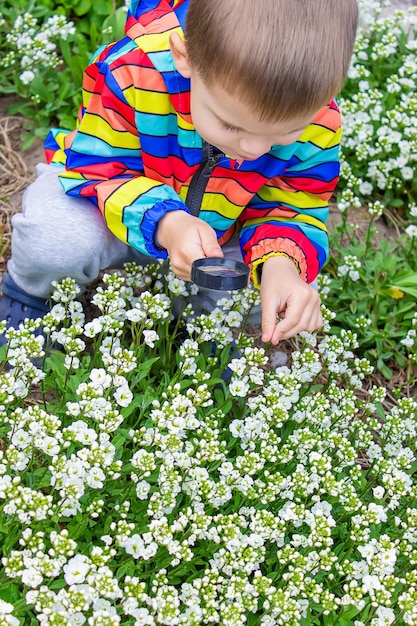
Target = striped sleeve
(287,216)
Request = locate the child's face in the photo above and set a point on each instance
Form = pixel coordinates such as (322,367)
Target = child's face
(228,124)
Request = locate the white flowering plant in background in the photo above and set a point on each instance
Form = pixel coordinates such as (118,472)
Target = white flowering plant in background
(379,104)
(153,472)
(43,52)
(370,282)
(371,279)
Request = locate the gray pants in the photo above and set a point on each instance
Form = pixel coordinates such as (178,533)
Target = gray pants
(57,236)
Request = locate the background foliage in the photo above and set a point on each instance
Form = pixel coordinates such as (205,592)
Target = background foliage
(53,96)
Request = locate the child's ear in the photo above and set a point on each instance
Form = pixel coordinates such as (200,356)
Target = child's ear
(179,53)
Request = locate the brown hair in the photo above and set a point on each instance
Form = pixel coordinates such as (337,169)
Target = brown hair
(282,58)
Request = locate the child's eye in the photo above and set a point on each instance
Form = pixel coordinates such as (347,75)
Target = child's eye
(232,129)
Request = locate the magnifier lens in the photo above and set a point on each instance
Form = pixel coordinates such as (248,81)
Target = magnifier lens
(220,274)
(220,271)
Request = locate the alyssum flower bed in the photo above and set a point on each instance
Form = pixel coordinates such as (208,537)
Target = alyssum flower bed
(136,487)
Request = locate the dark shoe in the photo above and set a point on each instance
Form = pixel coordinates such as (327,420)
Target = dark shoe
(16,305)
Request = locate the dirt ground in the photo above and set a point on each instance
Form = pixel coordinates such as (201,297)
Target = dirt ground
(17,170)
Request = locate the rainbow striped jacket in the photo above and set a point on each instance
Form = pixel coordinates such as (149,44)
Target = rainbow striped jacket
(136,155)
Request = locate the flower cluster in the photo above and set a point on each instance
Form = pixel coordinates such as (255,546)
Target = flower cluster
(33,46)
(350,267)
(140,485)
(410,340)
(379,104)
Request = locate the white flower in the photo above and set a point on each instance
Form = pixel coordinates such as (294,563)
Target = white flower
(322,508)
(411,230)
(76,619)
(123,395)
(234,319)
(238,388)
(142,489)
(84,435)
(27,77)
(366,188)
(379,512)
(31,577)
(135,546)
(409,340)
(95,478)
(71,362)
(21,439)
(378,492)
(76,570)
(5,609)
(407,172)
(142,616)
(176,285)
(100,378)
(136,315)
(103,608)
(93,328)
(385,616)
(149,337)
(371,582)
(49,445)
(367,551)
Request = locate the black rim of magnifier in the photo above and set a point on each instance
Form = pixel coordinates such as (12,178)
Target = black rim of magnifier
(238,279)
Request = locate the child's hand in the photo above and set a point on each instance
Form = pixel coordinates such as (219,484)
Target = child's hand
(284,294)
(186,238)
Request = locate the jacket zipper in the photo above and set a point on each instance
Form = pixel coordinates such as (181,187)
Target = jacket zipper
(200,179)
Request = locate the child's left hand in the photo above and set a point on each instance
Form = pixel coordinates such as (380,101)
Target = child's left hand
(285,295)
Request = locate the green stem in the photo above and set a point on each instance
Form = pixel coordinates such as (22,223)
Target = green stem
(369,235)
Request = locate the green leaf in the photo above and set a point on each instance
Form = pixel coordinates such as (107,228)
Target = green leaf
(38,478)
(57,584)
(116,22)
(10,593)
(399,359)
(105,8)
(398,202)
(384,369)
(83,7)
(120,438)
(127,568)
(145,367)
(406,279)
(79,529)
(3,350)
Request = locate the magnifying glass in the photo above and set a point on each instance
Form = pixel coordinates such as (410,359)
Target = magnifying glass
(220,274)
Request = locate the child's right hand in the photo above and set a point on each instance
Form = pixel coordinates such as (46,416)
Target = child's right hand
(285,296)
(186,238)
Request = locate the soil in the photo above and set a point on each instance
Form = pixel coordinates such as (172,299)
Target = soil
(17,169)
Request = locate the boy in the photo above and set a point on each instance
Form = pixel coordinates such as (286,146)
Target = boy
(184,142)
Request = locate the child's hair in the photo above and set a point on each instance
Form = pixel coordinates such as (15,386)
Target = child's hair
(282,58)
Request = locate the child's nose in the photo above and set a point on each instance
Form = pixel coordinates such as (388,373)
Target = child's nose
(256,146)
